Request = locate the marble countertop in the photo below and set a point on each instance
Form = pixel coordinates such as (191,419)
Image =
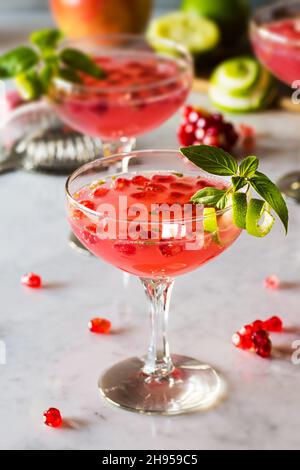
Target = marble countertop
(53,360)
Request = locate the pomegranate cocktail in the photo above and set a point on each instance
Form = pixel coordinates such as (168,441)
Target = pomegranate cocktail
(138,93)
(156,235)
(277,45)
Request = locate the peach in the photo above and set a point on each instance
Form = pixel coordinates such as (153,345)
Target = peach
(79,18)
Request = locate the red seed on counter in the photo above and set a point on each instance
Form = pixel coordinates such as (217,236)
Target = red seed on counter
(31,280)
(52,418)
(99,325)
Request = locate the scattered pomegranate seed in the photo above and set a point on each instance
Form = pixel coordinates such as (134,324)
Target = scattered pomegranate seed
(262,343)
(121,183)
(52,418)
(88,204)
(155,188)
(257,325)
(99,325)
(242,341)
(99,192)
(31,280)
(138,195)
(140,180)
(125,248)
(273,324)
(170,249)
(248,139)
(89,237)
(272,282)
(175,195)
(163,178)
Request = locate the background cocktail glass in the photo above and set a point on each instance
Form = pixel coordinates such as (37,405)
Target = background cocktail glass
(144,87)
(159,382)
(279,51)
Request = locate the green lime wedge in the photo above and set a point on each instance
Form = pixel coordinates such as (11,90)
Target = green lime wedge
(237,75)
(259,221)
(29,85)
(196,33)
(239,209)
(210,223)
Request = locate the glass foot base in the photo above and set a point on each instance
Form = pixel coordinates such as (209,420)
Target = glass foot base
(290,186)
(190,387)
(77,245)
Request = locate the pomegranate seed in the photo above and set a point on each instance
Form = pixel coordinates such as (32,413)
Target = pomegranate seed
(213,131)
(246,131)
(155,188)
(180,185)
(185,134)
(140,180)
(31,280)
(262,343)
(87,204)
(257,325)
(186,110)
(242,341)
(125,248)
(99,192)
(273,324)
(199,134)
(138,195)
(52,418)
(170,249)
(175,195)
(194,116)
(272,282)
(211,140)
(121,183)
(99,325)
(88,237)
(163,178)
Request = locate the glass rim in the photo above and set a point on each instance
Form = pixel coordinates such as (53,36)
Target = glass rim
(120,156)
(137,37)
(270,35)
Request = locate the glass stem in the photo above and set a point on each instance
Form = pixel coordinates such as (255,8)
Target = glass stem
(158,361)
(122,145)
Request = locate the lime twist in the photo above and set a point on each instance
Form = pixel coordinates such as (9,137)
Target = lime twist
(241,85)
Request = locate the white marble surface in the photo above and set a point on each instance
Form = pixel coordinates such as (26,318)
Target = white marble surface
(53,360)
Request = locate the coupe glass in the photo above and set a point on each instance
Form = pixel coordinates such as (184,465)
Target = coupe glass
(118,109)
(280,53)
(158,382)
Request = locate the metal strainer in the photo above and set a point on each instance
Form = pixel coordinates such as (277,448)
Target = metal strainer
(34,138)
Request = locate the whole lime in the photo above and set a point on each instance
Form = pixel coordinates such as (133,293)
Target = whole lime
(231,16)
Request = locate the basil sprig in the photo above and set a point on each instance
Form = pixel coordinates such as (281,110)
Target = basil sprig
(243,177)
(36,65)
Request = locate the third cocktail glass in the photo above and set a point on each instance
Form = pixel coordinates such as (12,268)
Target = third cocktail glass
(275,35)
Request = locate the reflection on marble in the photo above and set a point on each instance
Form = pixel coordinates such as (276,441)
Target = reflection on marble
(53,360)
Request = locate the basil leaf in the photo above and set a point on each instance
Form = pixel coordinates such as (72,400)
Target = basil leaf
(248,166)
(238,182)
(271,194)
(17,61)
(211,159)
(79,61)
(69,74)
(208,196)
(46,39)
